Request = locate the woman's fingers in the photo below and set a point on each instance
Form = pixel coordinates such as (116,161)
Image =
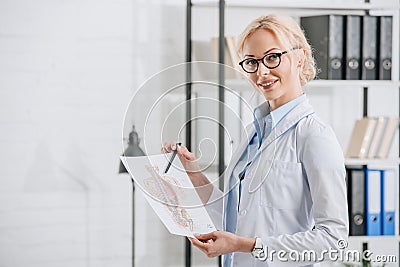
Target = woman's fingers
(168,147)
(200,245)
(206,243)
(182,150)
(165,148)
(187,158)
(205,237)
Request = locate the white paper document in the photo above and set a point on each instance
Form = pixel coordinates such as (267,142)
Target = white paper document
(171,195)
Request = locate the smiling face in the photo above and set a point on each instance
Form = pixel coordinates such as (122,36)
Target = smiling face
(278,85)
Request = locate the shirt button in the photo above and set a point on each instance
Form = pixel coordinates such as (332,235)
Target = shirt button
(243,212)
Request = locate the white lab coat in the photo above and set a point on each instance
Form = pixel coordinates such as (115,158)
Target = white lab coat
(294,192)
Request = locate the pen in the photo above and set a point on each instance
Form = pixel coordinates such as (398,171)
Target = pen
(172,158)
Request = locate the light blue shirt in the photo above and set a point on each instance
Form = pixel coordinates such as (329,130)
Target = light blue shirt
(264,122)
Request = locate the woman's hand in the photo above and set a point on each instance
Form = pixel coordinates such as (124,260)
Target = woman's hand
(217,243)
(203,186)
(187,158)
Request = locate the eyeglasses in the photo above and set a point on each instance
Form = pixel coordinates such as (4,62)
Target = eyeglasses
(270,60)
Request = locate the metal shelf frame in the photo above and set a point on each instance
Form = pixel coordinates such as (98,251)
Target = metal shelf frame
(221,95)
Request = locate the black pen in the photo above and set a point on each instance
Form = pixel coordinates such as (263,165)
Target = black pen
(172,157)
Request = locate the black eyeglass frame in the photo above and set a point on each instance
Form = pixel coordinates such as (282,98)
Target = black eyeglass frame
(278,54)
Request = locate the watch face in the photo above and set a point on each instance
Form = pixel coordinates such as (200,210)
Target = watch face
(258,250)
(258,253)
(261,254)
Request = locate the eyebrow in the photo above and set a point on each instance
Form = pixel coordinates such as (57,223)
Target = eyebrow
(269,50)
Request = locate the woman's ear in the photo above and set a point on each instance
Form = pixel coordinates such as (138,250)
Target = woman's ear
(302,57)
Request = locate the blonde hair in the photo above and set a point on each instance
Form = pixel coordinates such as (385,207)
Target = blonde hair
(291,36)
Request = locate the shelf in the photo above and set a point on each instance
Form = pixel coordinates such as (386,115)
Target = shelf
(329,83)
(351,83)
(375,162)
(350,162)
(308,5)
(372,238)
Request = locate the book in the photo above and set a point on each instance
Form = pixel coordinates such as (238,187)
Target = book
(387,138)
(207,50)
(377,137)
(360,139)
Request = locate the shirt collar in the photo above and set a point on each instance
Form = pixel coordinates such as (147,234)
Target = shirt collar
(262,112)
(278,114)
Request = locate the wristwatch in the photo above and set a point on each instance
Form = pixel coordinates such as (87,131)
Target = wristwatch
(258,250)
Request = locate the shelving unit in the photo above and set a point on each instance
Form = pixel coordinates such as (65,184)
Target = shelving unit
(303,8)
(309,5)
(340,84)
(372,162)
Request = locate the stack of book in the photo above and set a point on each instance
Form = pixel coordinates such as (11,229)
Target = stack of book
(372,137)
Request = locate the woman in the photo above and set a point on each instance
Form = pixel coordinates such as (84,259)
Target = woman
(285,185)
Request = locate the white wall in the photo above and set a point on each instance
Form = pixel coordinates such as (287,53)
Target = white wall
(67,70)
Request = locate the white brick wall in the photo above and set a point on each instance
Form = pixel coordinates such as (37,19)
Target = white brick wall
(67,72)
(65,75)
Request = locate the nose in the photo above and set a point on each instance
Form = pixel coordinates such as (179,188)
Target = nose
(262,69)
